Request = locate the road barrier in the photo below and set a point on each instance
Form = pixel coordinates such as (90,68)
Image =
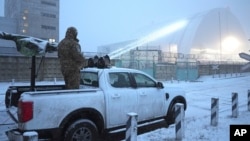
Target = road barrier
(235,105)
(214,111)
(12,82)
(55,80)
(30,136)
(179,121)
(131,127)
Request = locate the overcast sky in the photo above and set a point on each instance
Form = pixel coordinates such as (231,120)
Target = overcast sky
(101,22)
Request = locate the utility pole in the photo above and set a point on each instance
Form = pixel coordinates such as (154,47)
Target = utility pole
(220,34)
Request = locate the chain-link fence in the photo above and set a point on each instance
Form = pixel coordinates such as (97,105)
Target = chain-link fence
(167,65)
(161,65)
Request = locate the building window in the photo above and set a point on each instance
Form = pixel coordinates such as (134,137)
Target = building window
(48,15)
(24,31)
(48,3)
(26,11)
(48,27)
(25,24)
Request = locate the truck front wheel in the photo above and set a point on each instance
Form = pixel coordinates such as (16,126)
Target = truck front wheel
(82,130)
(170,118)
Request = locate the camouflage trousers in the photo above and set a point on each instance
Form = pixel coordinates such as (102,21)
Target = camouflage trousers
(71,78)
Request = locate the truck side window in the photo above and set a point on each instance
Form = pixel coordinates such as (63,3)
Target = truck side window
(143,80)
(89,79)
(119,79)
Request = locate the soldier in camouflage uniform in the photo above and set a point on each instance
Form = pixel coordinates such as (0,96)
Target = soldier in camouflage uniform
(71,58)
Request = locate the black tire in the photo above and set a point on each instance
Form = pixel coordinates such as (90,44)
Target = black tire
(170,118)
(82,130)
(7,99)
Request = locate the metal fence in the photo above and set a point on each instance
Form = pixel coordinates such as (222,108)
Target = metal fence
(161,65)
(167,65)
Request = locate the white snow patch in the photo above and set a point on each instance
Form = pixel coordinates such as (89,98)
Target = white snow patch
(197,116)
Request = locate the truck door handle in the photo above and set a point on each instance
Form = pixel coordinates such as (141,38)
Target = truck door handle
(116,96)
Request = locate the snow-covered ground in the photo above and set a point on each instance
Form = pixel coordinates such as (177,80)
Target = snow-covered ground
(198,114)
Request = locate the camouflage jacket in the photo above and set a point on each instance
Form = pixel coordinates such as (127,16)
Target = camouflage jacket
(69,53)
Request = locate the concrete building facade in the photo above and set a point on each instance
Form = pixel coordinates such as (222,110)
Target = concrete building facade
(38,18)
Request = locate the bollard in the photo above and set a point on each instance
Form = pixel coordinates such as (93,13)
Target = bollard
(30,136)
(12,82)
(248,102)
(234,105)
(15,135)
(131,127)
(179,121)
(214,111)
(54,80)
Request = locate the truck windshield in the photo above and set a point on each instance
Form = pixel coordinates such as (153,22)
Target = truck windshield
(89,79)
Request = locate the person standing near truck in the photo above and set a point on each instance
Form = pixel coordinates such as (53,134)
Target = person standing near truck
(71,58)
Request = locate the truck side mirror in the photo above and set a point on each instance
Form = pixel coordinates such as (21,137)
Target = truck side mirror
(159,85)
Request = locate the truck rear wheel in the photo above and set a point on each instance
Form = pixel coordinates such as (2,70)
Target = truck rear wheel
(7,99)
(82,130)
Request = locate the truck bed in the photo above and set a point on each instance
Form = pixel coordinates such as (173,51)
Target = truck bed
(13,93)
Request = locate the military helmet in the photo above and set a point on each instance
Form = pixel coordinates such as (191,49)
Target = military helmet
(71,32)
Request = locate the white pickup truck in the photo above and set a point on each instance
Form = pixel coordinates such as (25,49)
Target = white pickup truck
(100,106)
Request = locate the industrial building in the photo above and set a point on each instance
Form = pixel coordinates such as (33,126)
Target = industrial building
(180,49)
(37,18)
(216,32)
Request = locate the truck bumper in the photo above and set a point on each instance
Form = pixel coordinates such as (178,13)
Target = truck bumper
(14,135)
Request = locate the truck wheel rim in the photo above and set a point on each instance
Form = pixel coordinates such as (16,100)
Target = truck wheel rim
(82,134)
